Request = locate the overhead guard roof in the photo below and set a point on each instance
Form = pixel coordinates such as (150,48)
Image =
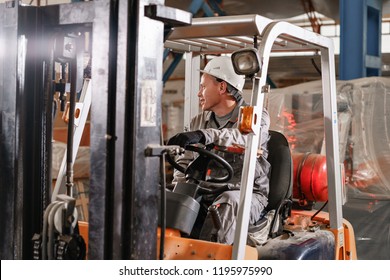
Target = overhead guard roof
(226,34)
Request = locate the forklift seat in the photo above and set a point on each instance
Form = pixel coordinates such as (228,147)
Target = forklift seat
(281,181)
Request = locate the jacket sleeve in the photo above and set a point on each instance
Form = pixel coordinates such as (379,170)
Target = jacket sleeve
(229,136)
(185,159)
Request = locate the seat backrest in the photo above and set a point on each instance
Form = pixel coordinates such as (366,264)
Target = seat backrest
(281,179)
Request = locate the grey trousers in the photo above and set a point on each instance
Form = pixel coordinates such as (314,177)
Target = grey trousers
(228,209)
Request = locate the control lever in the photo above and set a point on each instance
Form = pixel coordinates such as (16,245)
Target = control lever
(218,235)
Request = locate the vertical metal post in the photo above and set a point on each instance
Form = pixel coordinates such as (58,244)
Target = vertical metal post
(102,137)
(36,129)
(191,103)
(374,38)
(120,127)
(142,127)
(253,140)
(127,89)
(8,179)
(360,38)
(331,127)
(26,118)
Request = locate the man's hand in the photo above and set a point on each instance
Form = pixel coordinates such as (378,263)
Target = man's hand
(186,138)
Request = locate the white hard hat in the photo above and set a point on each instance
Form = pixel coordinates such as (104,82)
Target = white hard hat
(221,67)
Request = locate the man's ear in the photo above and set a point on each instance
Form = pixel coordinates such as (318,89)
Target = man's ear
(222,87)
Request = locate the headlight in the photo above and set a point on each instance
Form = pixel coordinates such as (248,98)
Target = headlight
(246,62)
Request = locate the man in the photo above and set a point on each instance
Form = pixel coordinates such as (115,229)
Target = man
(220,99)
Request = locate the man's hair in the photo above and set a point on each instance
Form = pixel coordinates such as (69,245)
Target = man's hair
(231,89)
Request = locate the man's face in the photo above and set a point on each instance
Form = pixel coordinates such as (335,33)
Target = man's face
(209,93)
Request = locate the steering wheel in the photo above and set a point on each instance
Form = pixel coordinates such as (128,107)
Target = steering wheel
(197,169)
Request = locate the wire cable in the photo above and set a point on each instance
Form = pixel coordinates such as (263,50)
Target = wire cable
(319,210)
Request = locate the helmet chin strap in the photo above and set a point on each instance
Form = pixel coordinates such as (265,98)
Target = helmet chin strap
(236,94)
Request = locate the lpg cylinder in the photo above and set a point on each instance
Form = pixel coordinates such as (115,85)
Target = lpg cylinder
(310,177)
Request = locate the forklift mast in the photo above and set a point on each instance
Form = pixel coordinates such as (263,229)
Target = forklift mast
(125,116)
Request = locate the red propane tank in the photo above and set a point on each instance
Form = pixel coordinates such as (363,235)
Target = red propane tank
(310,177)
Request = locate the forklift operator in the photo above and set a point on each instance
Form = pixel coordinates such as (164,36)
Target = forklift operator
(220,99)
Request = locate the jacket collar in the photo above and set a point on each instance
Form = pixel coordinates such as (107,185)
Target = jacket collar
(234,118)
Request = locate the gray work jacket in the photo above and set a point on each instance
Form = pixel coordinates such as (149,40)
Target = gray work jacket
(226,135)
